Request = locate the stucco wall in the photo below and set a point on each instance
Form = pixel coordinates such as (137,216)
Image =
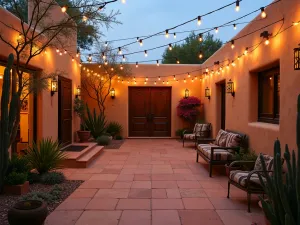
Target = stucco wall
(117,109)
(242,110)
(44,63)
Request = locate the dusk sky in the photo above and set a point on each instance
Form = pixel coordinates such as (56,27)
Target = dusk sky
(145,17)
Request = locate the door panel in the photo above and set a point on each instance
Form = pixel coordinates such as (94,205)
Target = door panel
(149,111)
(64,110)
(160,109)
(223,106)
(138,111)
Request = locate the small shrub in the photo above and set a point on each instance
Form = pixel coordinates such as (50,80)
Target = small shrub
(52,178)
(96,124)
(103,140)
(49,197)
(33,178)
(119,137)
(114,128)
(45,156)
(18,164)
(15,178)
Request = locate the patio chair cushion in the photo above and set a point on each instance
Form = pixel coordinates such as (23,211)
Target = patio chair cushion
(269,160)
(221,138)
(189,136)
(233,140)
(240,177)
(219,154)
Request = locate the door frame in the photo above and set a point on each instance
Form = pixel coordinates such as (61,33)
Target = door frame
(60,78)
(221,105)
(170,116)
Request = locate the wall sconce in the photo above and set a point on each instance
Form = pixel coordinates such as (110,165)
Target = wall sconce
(78,92)
(112,93)
(54,86)
(207,93)
(230,88)
(186,93)
(297,58)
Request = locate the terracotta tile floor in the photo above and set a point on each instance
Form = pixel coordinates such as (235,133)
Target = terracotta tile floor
(153,182)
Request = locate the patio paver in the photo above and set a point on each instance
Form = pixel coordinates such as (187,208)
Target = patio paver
(152,182)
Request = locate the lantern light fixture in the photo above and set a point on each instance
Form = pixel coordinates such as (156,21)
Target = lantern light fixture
(207,93)
(186,93)
(297,58)
(78,92)
(112,93)
(230,88)
(54,86)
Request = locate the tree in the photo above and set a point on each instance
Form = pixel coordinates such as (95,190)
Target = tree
(87,33)
(188,52)
(40,31)
(98,85)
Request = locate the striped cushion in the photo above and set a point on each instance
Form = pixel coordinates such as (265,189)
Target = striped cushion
(240,177)
(189,136)
(219,154)
(269,160)
(233,140)
(197,128)
(221,138)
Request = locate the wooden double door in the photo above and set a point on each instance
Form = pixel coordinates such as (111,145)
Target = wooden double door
(150,111)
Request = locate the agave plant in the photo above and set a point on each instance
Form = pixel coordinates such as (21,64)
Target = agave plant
(283,204)
(45,156)
(96,124)
(114,128)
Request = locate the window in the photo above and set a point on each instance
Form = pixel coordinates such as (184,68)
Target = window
(269,96)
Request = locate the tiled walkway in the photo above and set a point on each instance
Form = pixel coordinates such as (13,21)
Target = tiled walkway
(152,182)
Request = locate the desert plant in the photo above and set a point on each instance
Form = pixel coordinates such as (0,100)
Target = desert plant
(283,204)
(15,178)
(119,137)
(103,140)
(52,178)
(95,123)
(45,156)
(18,164)
(33,178)
(9,102)
(114,128)
(48,197)
(179,132)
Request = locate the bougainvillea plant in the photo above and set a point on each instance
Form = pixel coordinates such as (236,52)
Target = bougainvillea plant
(187,108)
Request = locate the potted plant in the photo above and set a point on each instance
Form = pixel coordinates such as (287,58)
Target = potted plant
(16,183)
(29,212)
(114,129)
(79,109)
(188,110)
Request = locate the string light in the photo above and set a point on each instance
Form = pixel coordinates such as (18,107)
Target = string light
(84,18)
(233,63)
(120,51)
(192,80)
(123,58)
(141,42)
(234,26)
(167,34)
(122,82)
(123,1)
(146,53)
(154,82)
(60,53)
(246,51)
(200,55)
(73,59)
(64,8)
(174,35)
(157,62)
(200,38)
(263,13)
(232,44)
(136,64)
(170,47)
(105,62)
(65,51)
(296,23)
(163,82)
(167,82)
(184,80)
(146,78)
(189,75)
(177,61)
(267,41)
(237,6)
(106,44)
(216,30)
(121,66)
(174,77)
(57,50)
(199,21)
(103,56)
(159,78)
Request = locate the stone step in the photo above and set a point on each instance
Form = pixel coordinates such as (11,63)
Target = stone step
(77,155)
(89,157)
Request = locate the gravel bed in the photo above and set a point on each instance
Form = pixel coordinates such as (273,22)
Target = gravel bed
(7,201)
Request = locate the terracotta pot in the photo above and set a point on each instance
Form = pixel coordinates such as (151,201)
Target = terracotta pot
(83,136)
(232,168)
(17,189)
(30,212)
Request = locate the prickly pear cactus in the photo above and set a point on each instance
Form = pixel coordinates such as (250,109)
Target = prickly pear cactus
(283,204)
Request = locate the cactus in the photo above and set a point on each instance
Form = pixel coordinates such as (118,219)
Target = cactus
(8,117)
(283,204)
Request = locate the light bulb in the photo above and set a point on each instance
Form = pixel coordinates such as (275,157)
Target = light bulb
(65,51)
(233,63)
(174,35)
(232,44)
(145,82)
(184,80)
(174,77)
(216,30)
(158,78)
(60,53)
(267,41)
(189,75)
(234,26)
(105,62)
(84,18)
(192,80)
(141,42)
(177,61)
(103,56)
(124,59)
(64,8)
(246,51)
(263,13)
(167,34)
(123,1)
(163,82)
(120,51)
(157,62)
(154,82)
(296,23)
(146,78)
(57,50)
(77,55)
(199,20)
(146,53)
(122,81)
(206,70)
(106,43)
(237,6)
(73,59)
(136,64)
(170,47)
(200,55)
(167,82)
(200,38)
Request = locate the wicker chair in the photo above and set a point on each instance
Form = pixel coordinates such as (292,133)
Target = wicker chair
(247,177)
(200,131)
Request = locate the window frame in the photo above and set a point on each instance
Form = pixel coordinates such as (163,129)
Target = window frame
(275,115)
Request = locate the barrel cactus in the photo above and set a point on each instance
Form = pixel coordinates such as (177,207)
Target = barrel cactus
(283,204)
(8,116)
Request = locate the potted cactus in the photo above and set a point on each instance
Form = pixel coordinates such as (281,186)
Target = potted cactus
(283,204)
